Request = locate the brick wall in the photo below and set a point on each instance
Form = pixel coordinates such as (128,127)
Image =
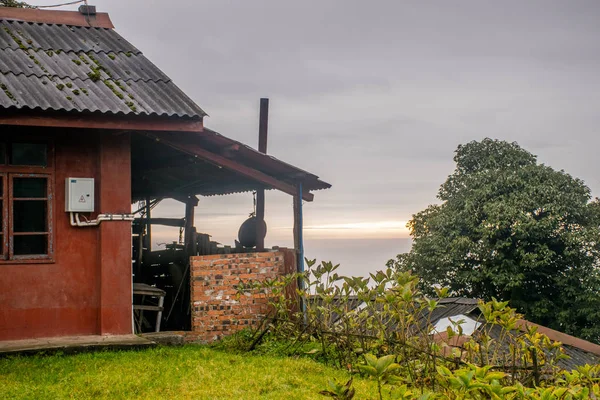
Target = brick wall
(217,310)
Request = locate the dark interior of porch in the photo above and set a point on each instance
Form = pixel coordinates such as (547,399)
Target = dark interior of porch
(183,167)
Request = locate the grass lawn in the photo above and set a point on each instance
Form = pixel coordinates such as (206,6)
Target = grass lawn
(189,372)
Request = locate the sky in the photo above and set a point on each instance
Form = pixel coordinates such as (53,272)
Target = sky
(375,96)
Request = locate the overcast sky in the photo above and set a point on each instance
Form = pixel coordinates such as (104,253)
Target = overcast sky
(374,96)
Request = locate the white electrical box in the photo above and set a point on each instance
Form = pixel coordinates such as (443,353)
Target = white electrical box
(80,195)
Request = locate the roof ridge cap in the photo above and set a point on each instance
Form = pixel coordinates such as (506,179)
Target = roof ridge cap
(56,17)
(562,337)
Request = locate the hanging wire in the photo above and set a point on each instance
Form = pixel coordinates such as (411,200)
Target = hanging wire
(142,206)
(253,213)
(62,4)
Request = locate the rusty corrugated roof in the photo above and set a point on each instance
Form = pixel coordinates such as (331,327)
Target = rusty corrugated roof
(263,162)
(161,171)
(82,69)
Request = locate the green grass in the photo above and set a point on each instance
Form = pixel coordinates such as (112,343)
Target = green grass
(189,372)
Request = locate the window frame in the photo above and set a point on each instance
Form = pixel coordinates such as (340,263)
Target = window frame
(8,173)
(4,210)
(11,256)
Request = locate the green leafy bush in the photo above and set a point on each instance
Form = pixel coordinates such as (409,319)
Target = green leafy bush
(381,327)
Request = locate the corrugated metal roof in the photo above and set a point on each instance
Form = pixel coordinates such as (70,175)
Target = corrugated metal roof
(451,307)
(577,357)
(79,64)
(105,96)
(76,69)
(27,35)
(263,162)
(161,171)
(448,307)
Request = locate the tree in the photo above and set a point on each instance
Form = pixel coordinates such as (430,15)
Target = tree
(13,3)
(512,229)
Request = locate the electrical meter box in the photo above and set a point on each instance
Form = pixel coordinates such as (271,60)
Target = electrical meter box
(80,195)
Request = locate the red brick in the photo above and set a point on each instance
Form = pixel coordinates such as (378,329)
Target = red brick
(218,308)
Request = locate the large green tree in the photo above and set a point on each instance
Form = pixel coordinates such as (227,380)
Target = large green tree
(511,228)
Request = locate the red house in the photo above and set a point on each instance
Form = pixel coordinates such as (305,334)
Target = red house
(88,127)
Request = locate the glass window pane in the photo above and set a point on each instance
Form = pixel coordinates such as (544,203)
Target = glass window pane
(1,245)
(2,153)
(30,244)
(1,186)
(29,154)
(29,216)
(29,187)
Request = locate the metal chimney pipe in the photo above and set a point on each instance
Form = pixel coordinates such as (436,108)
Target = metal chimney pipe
(263,125)
(87,10)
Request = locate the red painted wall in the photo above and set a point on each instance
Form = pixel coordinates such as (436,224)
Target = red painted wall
(87,290)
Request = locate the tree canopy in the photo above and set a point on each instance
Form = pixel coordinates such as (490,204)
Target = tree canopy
(14,3)
(513,229)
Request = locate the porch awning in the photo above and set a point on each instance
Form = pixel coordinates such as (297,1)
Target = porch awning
(207,163)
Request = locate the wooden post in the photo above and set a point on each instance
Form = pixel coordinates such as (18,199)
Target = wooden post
(189,226)
(140,252)
(299,245)
(260,193)
(296,224)
(148,236)
(298,230)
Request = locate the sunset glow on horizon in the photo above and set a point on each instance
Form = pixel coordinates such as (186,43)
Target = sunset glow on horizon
(282,234)
(351,230)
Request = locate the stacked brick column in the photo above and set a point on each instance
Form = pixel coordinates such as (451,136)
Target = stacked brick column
(217,308)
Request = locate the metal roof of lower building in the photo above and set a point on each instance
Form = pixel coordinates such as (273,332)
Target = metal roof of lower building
(579,351)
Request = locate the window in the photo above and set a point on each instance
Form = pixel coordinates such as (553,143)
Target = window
(29,154)
(25,202)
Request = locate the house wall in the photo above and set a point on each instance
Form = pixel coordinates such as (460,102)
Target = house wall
(217,310)
(87,289)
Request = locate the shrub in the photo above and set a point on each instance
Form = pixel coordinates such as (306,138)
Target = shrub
(362,324)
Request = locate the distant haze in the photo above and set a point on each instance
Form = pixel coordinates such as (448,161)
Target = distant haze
(357,257)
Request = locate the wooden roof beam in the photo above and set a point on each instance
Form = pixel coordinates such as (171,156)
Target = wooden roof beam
(103,121)
(230,150)
(198,151)
(190,199)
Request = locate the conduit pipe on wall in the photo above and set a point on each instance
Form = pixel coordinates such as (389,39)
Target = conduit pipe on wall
(75,221)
